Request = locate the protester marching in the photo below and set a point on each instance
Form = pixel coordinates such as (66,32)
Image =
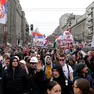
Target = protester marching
(63,69)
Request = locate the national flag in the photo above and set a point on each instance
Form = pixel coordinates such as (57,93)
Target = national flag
(37,35)
(58,39)
(46,41)
(3,11)
(3,1)
(38,39)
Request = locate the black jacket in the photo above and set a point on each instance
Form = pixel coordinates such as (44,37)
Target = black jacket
(14,82)
(0,69)
(37,83)
(65,84)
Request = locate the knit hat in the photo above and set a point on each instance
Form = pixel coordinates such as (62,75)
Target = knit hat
(27,59)
(81,66)
(58,67)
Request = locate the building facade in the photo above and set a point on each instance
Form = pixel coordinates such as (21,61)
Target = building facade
(24,30)
(14,24)
(82,27)
(90,21)
(77,27)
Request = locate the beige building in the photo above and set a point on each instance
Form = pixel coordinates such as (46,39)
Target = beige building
(90,21)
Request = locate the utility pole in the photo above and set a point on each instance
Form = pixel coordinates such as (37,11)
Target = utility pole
(31,29)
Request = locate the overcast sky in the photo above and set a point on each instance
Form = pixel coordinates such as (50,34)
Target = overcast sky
(45,14)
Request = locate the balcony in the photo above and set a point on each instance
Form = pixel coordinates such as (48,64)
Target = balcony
(89,18)
(90,25)
(90,32)
(90,11)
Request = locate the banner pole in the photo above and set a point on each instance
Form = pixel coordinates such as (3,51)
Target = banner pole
(5,36)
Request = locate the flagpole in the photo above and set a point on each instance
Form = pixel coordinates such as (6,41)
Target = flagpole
(5,35)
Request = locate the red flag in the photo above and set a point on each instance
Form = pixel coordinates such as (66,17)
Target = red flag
(36,34)
(3,2)
(47,41)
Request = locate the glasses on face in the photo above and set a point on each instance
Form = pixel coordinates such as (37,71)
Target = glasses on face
(32,63)
(61,59)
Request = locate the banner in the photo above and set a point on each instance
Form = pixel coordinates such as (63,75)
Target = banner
(67,37)
(3,11)
(64,40)
(38,42)
(46,41)
(38,39)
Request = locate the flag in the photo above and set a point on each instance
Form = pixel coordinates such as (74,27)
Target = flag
(38,39)
(46,41)
(54,44)
(37,35)
(3,11)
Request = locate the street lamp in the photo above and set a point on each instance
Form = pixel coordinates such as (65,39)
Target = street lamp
(31,28)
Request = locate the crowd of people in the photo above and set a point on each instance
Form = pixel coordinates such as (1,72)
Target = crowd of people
(33,70)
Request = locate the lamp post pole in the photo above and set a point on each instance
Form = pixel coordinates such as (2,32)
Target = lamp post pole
(5,36)
(31,29)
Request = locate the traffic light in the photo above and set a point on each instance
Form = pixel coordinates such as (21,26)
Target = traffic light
(31,27)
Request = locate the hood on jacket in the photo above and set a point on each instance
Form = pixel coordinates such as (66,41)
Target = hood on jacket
(58,67)
(51,61)
(11,60)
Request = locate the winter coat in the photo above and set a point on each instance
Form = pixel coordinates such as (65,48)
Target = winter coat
(37,83)
(65,84)
(0,70)
(14,81)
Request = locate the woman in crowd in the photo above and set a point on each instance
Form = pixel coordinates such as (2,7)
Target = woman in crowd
(82,86)
(59,77)
(53,88)
(48,67)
